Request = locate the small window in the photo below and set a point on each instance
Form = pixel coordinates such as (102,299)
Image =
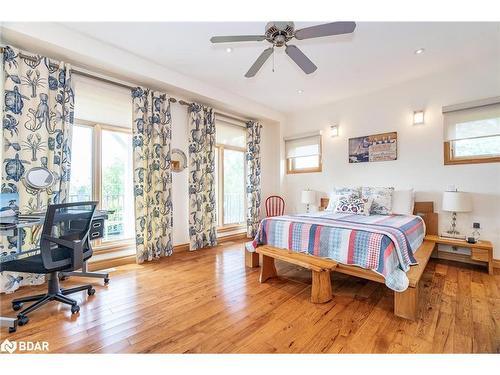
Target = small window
(472,132)
(303,154)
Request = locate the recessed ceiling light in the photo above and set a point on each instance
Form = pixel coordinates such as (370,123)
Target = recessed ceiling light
(419,51)
(300,91)
(229,50)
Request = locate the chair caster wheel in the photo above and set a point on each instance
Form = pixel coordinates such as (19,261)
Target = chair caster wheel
(12,329)
(22,320)
(17,306)
(106,281)
(62,278)
(91,292)
(75,309)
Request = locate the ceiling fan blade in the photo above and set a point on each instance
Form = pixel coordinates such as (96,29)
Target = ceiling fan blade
(334,28)
(259,62)
(300,59)
(237,38)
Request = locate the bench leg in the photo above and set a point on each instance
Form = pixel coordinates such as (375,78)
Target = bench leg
(267,270)
(321,290)
(406,303)
(251,259)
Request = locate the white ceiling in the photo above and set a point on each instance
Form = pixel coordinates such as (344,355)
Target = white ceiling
(377,55)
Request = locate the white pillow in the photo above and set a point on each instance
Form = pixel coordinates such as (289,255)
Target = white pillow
(337,193)
(402,202)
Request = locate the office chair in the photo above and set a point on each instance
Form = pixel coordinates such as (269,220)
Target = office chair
(64,246)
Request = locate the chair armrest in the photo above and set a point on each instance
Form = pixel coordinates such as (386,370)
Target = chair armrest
(76,255)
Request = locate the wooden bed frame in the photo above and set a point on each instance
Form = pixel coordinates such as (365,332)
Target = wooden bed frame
(405,303)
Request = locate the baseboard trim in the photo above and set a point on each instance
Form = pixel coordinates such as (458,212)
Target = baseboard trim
(232,238)
(496,263)
(180,248)
(111,262)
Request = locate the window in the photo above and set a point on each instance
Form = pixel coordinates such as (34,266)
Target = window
(102,167)
(472,132)
(81,184)
(116,184)
(102,171)
(230,174)
(303,153)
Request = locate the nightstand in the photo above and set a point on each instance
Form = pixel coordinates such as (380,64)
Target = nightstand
(480,252)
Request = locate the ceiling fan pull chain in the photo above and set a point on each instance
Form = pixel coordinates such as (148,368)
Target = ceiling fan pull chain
(273,59)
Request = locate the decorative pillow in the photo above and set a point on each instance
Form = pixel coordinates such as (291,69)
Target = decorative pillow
(382,199)
(338,193)
(354,205)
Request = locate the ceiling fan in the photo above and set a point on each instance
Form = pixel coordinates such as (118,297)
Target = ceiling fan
(280,33)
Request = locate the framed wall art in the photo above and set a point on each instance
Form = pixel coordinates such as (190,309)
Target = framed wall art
(377,147)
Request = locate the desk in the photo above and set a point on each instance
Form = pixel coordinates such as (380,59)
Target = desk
(10,226)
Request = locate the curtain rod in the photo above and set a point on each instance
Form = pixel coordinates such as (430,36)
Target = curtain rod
(116,83)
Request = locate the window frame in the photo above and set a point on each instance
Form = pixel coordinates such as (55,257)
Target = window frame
(289,161)
(97,128)
(448,143)
(221,227)
(451,159)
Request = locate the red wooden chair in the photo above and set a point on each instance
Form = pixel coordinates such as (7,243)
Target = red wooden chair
(275,206)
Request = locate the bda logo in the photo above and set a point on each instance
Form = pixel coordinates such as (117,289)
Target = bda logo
(8,346)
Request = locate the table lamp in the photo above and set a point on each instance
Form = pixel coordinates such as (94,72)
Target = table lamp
(308,197)
(456,201)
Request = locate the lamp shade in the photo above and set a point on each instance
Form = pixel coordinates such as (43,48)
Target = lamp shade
(308,197)
(456,201)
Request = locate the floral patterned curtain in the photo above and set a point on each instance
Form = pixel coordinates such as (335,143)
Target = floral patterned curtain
(37,126)
(253,177)
(152,126)
(202,220)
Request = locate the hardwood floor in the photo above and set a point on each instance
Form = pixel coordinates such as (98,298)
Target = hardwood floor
(208,302)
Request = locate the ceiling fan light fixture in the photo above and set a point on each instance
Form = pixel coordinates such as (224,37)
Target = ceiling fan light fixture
(419,51)
(300,91)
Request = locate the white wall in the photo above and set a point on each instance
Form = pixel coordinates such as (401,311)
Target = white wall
(420,148)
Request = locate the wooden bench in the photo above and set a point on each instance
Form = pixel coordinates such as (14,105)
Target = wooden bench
(405,303)
(321,290)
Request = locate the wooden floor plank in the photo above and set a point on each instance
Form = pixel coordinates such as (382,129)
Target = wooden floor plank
(208,302)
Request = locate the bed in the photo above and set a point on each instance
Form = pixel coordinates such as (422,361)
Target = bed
(384,248)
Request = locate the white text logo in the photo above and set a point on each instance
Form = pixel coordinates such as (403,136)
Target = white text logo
(24,346)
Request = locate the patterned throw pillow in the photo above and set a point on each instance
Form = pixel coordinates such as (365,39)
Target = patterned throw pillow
(338,193)
(353,205)
(382,199)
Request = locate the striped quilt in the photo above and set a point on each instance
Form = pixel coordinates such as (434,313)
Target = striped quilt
(382,243)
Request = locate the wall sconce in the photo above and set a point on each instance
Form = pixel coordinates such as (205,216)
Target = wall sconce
(418,117)
(334,131)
